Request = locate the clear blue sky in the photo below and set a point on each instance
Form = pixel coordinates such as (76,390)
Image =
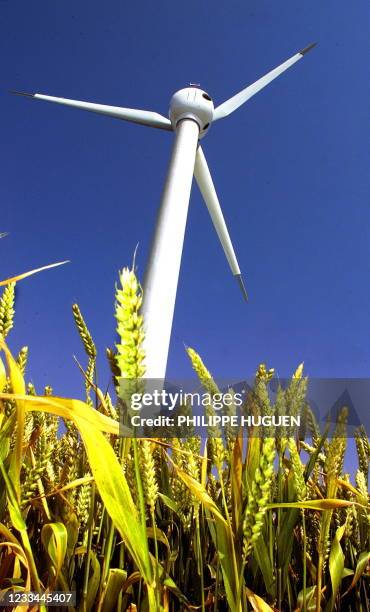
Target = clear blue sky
(290,168)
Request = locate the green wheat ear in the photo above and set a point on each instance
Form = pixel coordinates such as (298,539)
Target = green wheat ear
(130,355)
(22,359)
(148,473)
(113,365)
(90,350)
(264,374)
(215,442)
(85,335)
(298,471)
(258,496)
(83,503)
(7,309)
(362,451)
(203,374)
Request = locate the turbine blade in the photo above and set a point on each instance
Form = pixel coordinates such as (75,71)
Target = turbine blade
(142,117)
(233,103)
(207,189)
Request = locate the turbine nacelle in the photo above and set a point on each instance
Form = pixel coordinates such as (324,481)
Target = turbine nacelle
(192,103)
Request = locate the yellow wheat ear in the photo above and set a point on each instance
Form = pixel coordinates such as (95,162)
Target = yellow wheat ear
(7,309)
(299,372)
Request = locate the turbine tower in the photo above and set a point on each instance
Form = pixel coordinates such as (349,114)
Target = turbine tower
(190,117)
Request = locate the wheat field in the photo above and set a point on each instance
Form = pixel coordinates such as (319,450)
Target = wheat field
(228,523)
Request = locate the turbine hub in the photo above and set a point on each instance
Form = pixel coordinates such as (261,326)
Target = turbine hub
(192,103)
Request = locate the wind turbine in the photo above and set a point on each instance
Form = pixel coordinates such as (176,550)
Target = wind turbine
(191,114)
